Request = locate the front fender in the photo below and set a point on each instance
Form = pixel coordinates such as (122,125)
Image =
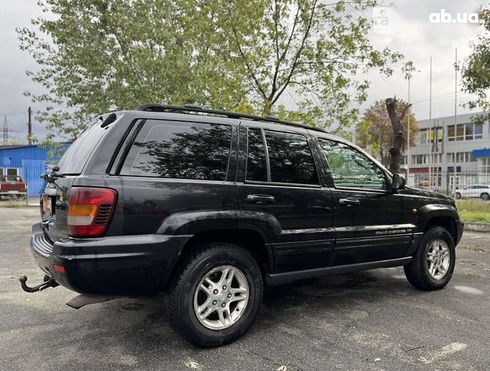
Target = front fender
(428,212)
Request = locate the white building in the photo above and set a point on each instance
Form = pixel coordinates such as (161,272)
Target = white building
(460,156)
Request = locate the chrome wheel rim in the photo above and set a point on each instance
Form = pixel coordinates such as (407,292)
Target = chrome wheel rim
(438,259)
(221,297)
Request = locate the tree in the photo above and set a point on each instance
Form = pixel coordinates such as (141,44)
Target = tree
(375,132)
(398,133)
(476,73)
(251,56)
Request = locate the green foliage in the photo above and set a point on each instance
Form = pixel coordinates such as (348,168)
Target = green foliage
(374,131)
(252,56)
(476,71)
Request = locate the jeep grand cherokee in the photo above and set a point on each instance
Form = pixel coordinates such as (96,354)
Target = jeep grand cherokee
(210,205)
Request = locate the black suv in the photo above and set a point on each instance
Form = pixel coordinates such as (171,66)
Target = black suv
(211,205)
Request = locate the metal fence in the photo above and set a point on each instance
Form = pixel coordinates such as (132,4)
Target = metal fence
(447,182)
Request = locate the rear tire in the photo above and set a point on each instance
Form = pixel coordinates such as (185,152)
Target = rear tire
(485,196)
(432,265)
(217,295)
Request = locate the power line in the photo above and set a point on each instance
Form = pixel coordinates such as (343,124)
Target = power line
(13,114)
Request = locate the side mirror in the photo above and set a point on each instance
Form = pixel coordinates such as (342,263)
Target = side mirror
(398,182)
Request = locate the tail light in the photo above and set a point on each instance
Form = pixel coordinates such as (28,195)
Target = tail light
(90,211)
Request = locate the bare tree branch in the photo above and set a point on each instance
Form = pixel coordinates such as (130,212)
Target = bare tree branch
(283,55)
(247,64)
(298,53)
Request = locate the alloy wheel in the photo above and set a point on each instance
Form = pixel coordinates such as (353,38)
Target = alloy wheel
(438,259)
(221,297)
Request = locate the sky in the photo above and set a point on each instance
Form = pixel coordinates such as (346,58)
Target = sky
(408,26)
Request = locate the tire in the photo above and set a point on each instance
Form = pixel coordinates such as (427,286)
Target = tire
(186,293)
(458,196)
(485,196)
(418,270)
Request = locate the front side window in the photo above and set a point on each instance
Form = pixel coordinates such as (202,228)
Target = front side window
(350,168)
(290,158)
(180,150)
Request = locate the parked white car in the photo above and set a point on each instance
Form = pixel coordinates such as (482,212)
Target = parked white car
(474,191)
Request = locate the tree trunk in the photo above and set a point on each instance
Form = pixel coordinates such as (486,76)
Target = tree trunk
(396,123)
(267,107)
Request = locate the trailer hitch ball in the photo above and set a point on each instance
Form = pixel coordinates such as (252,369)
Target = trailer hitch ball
(48,282)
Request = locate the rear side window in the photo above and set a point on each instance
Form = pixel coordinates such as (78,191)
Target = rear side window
(289,158)
(75,157)
(180,150)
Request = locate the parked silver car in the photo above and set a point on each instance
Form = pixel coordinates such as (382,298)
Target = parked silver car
(474,191)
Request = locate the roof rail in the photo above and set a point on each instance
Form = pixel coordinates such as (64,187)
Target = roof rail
(232,115)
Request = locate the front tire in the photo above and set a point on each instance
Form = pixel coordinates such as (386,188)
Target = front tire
(216,298)
(458,196)
(432,265)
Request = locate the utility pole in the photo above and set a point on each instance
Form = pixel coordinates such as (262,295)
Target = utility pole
(455,115)
(5,130)
(430,122)
(408,131)
(29,125)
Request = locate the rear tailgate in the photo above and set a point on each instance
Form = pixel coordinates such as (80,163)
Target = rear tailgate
(54,208)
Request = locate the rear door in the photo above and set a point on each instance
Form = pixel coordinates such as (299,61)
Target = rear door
(369,223)
(278,187)
(176,171)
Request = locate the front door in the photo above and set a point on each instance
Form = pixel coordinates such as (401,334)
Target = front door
(368,215)
(278,182)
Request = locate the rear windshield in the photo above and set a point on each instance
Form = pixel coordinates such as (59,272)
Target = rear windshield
(79,151)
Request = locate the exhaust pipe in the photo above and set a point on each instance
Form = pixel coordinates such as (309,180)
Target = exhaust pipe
(48,282)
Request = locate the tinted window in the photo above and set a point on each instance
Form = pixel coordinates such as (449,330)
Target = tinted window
(79,151)
(256,162)
(350,168)
(180,150)
(290,158)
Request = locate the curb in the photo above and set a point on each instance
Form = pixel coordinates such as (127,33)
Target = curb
(477,227)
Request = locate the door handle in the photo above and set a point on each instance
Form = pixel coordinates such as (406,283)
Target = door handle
(261,199)
(349,202)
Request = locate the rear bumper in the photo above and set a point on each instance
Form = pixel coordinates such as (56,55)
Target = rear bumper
(137,264)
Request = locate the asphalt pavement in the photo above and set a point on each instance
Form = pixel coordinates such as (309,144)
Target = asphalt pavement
(371,320)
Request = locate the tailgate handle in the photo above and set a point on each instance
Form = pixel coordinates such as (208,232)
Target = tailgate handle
(261,199)
(349,202)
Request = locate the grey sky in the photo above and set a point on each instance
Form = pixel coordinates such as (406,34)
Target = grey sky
(412,34)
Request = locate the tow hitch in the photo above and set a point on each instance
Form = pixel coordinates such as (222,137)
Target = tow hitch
(48,282)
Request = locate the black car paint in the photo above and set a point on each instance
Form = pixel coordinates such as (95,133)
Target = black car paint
(305,231)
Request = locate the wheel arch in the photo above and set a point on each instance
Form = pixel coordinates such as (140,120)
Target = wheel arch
(442,215)
(446,222)
(251,239)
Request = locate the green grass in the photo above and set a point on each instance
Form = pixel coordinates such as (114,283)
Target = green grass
(474,210)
